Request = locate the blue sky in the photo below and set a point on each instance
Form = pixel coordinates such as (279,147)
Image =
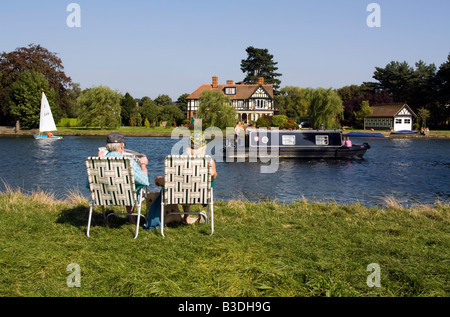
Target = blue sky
(148,48)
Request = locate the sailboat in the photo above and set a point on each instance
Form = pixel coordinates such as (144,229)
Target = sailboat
(46,122)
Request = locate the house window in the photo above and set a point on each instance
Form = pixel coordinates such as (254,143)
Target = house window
(407,121)
(321,139)
(260,103)
(230,91)
(398,121)
(240,104)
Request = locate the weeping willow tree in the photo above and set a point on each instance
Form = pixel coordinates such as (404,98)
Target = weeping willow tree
(215,110)
(99,107)
(325,109)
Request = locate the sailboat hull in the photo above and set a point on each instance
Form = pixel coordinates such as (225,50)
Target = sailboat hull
(45,137)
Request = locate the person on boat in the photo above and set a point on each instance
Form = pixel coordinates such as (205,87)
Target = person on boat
(347,142)
(237,129)
(115,145)
(197,147)
(49,134)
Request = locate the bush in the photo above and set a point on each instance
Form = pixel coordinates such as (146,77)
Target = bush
(68,122)
(262,123)
(279,120)
(290,124)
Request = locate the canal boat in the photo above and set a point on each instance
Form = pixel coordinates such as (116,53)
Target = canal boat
(263,143)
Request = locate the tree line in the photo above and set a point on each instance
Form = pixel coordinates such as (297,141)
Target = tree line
(26,71)
(425,88)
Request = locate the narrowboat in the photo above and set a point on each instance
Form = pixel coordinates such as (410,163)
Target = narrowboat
(259,143)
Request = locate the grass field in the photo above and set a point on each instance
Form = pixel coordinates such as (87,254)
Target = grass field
(258,250)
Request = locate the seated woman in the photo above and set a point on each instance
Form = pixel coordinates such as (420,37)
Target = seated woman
(197,147)
(347,142)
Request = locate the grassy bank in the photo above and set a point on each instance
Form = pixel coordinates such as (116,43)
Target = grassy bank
(166,132)
(265,249)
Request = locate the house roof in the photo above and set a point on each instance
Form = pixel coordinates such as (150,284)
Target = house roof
(243,91)
(389,110)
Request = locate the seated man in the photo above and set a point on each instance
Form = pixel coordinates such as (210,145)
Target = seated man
(115,145)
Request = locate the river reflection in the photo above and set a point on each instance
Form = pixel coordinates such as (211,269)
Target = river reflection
(410,170)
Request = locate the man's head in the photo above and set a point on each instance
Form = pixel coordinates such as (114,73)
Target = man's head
(115,142)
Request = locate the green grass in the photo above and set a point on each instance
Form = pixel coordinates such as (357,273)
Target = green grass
(124,129)
(258,250)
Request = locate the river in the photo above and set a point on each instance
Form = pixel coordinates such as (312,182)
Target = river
(413,171)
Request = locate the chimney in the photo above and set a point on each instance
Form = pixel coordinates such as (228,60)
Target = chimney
(260,80)
(215,81)
(229,82)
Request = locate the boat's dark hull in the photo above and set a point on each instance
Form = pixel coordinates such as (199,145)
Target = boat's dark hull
(316,153)
(315,144)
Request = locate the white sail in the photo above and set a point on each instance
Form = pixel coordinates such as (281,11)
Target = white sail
(46,122)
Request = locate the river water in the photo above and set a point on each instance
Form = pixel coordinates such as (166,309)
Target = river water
(412,171)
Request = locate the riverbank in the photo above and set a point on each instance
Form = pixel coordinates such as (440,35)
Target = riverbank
(265,249)
(167,132)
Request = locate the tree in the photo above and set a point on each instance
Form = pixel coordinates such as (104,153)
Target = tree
(442,82)
(72,93)
(127,104)
(36,58)
(279,120)
(352,97)
(171,114)
(215,110)
(163,100)
(293,102)
(182,103)
(149,110)
(423,114)
(362,113)
(440,110)
(25,99)
(395,78)
(259,63)
(135,116)
(325,108)
(99,107)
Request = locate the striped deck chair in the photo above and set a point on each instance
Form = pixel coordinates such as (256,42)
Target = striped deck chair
(111,183)
(188,182)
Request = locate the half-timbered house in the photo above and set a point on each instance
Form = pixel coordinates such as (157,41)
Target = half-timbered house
(251,101)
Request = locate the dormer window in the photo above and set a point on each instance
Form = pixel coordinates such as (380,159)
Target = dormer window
(230,91)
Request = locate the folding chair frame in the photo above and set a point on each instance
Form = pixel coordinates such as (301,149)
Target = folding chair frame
(111,183)
(190,185)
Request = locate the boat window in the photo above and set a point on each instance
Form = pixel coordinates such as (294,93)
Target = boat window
(288,140)
(321,139)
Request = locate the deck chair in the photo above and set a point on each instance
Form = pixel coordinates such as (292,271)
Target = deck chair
(187,182)
(111,183)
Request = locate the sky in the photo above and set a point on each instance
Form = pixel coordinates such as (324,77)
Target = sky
(149,48)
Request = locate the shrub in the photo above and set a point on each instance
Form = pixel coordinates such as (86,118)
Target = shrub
(279,120)
(263,122)
(68,122)
(290,124)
